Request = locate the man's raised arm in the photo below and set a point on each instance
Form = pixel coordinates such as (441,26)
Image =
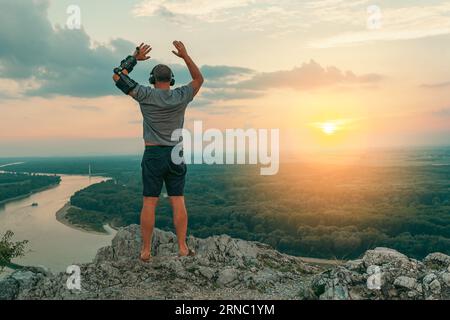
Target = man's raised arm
(121,78)
(197,77)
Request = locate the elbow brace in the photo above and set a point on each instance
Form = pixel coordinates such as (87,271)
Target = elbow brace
(128,63)
(125,83)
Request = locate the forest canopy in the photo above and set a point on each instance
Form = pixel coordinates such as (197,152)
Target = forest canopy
(324,211)
(332,212)
(14,185)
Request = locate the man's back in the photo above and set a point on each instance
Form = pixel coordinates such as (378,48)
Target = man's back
(163,112)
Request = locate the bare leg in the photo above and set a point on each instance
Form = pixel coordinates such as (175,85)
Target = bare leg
(147,225)
(180,220)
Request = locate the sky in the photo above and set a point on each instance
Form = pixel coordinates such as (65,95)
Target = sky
(330,74)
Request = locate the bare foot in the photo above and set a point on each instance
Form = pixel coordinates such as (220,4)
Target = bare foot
(183,252)
(146,255)
(186,252)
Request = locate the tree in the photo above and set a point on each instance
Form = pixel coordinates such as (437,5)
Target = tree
(10,249)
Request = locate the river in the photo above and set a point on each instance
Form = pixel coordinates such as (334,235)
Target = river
(51,243)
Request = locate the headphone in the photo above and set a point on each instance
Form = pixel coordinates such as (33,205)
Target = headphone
(152,78)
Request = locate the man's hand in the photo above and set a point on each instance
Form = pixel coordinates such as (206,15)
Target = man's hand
(197,78)
(141,53)
(181,49)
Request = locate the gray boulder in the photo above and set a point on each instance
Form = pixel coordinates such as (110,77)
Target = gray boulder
(9,289)
(383,256)
(406,282)
(384,273)
(228,277)
(437,260)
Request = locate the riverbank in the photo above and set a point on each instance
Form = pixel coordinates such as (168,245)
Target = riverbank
(23,196)
(61,216)
(51,243)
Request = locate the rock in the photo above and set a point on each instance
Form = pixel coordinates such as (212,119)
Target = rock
(223,268)
(23,277)
(163,244)
(355,265)
(435,286)
(437,260)
(21,281)
(206,272)
(333,284)
(227,277)
(406,282)
(446,278)
(375,277)
(104,254)
(227,268)
(337,292)
(373,270)
(388,274)
(9,289)
(266,277)
(431,286)
(380,256)
(429,278)
(126,242)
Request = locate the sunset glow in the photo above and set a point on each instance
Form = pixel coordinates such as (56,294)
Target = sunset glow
(330,80)
(329,128)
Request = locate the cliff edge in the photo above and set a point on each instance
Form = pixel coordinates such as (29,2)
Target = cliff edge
(227,268)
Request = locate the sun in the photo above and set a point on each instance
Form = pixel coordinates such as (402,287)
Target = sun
(331,128)
(328,128)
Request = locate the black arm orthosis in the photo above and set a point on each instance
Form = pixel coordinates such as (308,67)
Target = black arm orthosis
(125,83)
(126,64)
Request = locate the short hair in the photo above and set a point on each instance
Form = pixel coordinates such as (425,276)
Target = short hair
(162,73)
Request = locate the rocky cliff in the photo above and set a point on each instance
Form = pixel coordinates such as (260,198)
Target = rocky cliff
(226,268)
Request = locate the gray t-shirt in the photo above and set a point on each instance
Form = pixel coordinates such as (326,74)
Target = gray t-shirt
(163,111)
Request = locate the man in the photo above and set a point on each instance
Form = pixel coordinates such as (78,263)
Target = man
(163,112)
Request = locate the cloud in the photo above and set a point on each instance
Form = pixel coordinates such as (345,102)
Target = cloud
(396,23)
(57,61)
(38,59)
(337,11)
(341,22)
(437,85)
(274,17)
(225,78)
(201,9)
(309,76)
(220,72)
(227,83)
